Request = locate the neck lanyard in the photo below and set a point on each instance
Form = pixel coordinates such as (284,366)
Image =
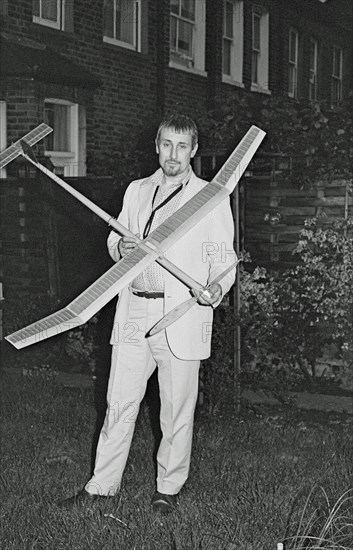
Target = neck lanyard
(163,203)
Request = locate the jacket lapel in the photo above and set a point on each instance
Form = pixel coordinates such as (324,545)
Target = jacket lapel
(193,187)
(146,192)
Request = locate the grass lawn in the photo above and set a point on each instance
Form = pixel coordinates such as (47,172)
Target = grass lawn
(250,478)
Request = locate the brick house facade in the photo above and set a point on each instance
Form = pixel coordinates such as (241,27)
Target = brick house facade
(103,72)
(120,86)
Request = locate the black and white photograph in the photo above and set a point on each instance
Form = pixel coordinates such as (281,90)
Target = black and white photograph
(176,274)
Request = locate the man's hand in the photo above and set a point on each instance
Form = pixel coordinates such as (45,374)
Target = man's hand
(126,245)
(211,295)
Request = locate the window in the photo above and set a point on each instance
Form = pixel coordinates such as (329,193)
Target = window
(313,70)
(66,145)
(336,79)
(187,33)
(4,8)
(122,23)
(293,64)
(233,40)
(260,49)
(53,13)
(3,133)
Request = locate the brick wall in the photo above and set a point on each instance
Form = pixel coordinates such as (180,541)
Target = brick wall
(312,19)
(136,88)
(82,254)
(23,110)
(51,243)
(24,237)
(127,95)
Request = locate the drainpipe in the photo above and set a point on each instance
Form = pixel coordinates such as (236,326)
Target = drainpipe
(162,29)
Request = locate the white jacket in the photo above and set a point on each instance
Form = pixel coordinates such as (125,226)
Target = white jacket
(203,252)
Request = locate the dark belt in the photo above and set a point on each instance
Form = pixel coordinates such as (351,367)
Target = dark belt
(143,294)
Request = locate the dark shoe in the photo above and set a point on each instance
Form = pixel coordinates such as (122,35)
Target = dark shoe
(82,498)
(164,503)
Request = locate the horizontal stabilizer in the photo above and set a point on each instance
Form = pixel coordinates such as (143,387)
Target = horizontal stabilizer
(31,139)
(27,150)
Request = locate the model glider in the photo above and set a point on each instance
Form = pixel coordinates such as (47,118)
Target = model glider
(15,150)
(147,251)
(182,308)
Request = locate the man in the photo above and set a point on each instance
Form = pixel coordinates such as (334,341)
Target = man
(204,252)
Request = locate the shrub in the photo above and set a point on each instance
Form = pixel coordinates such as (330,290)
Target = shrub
(80,344)
(71,350)
(288,319)
(23,309)
(319,136)
(297,314)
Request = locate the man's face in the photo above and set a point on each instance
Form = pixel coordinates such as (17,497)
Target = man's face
(174,151)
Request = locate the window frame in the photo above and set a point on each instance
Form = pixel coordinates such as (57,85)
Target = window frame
(293,64)
(137,28)
(195,63)
(256,51)
(261,53)
(313,70)
(73,161)
(3,133)
(4,8)
(336,78)
(227,39)
(235,74)
(59,24)
(180,18)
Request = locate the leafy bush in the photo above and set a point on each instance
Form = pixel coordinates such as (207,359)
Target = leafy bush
(289,320)
(133,158)
(80,343)
(320,137)
(23,309)
(297,314)
(71,350)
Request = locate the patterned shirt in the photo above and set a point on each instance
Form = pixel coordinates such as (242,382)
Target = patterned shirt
(152,278)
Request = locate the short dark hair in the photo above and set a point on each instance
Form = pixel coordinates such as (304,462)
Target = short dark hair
(180,124)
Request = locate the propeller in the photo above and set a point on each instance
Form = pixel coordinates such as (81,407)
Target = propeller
(182,308)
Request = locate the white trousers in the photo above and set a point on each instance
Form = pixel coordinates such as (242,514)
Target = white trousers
(134,359)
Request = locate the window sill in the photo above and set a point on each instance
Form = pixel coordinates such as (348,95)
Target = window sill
(59,154)
(192,70)
(259,89)
(46,23)
(226,79)
(120,44)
